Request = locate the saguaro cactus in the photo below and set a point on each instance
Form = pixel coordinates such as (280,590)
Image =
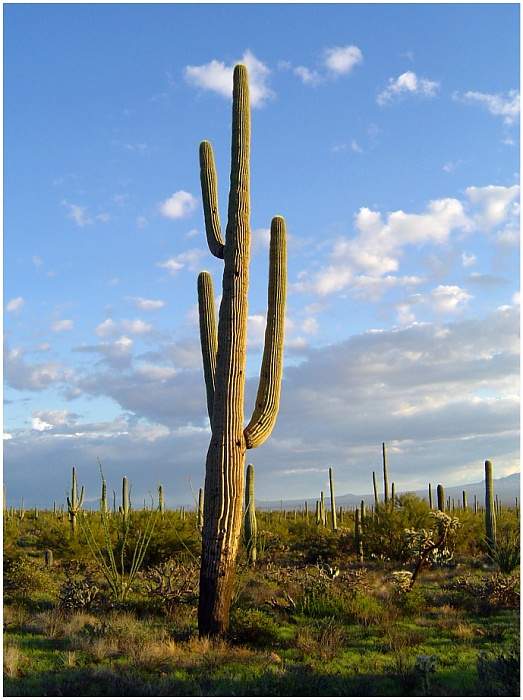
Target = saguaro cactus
(74,503)
(323,514)
(358,535)
(126,505)
(375,487)
(334,524)
(103,498)
(464,502)
(250,529)
(385,474)
(441,497)
(430,496)
(224,358)
(490,515)
(161,501)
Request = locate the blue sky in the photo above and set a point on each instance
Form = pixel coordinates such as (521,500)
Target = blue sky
(387,135)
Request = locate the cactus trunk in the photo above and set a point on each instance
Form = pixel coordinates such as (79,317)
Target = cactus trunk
(441,497)
(334,524)
(250,526)
(375,487)
(490,515)
(385,474)
(430,497)
(161,502)
(224,359)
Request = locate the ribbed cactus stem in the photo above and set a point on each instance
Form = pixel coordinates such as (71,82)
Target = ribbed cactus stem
(441,497)
(334,524)
(125,500)
(74,502)
(224,479)
(318,513)
(375,487)
(363,515)
(200,510)
(385,473)
(490,516)
(431,505)
(250,528)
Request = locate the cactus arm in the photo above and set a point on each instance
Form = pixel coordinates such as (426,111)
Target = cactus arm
(208,334)
(268,396)
(209,183)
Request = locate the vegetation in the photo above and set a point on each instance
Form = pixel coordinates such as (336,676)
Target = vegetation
(309,619)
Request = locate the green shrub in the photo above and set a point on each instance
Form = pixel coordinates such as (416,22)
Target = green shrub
(26,578)
(365,609)
(498,674)
(254,627)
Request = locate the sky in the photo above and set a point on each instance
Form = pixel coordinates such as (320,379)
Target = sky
(388,137)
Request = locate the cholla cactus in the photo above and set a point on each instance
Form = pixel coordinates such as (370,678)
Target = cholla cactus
(401,581)
(434,546)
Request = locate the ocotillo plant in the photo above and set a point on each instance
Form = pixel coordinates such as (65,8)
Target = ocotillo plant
(161,503)
(334,525)
(250,529)
(74,503)
(430,496)
(224,359)
(490,516)
(441,497)
(385,474)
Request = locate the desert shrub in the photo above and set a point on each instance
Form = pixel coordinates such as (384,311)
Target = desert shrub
(487,593)
(320,545)
(506,552)
(254,627)
(498,674)
(25,578)
(322,638)
(365,609)
(14,660)
(80,590)
(173,582)
(383,532)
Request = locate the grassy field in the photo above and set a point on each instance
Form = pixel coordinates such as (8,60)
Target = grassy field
(309,619)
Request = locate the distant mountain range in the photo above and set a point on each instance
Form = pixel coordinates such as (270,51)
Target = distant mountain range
(506,488)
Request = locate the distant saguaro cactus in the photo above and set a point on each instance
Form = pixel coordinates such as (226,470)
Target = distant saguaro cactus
(334,524)
(464,502)
(490,515)
(323,514)
(441,497)
(224,359)
(74,503)
(358,535)
(430,496)
(103,498)
(161,501)
(250,527)
(385,474)
(126,504)
(375,487)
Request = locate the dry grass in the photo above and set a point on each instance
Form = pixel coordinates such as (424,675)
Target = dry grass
(13,660)
(54,624)
(322,640)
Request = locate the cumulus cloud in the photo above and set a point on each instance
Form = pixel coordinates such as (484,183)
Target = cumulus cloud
(407,84)
(64,324)
(148,304)
(190,259)
(449,298)
(22,375)
(493,204)
(468,259)
(307,76)
(179,205)
(340,60)
(498,104)
(216,76)
(15,305)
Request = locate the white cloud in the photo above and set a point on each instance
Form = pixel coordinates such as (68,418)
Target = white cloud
(405,314)
(260,239)
(77,213)
(449,298)
(136,327)
(148,304)
(133,327)
(310,326)
(506,106)
(407,83)
(15,305)
(307,76)
(190,260)
(21,375)
(217,77)
(342,59)
(179,205)
(62,325)
(107,327)
(494,204)
(468,259)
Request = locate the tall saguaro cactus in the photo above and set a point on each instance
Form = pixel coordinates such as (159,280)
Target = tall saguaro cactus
(385,474)
(490,515)
(250,528)
(74,503)
(224,358)
(375,487)
(441,497)
(334,524)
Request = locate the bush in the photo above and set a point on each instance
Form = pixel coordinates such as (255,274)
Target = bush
(24,578)
(498,674)
(254,627)
(506,552)
(487,593)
